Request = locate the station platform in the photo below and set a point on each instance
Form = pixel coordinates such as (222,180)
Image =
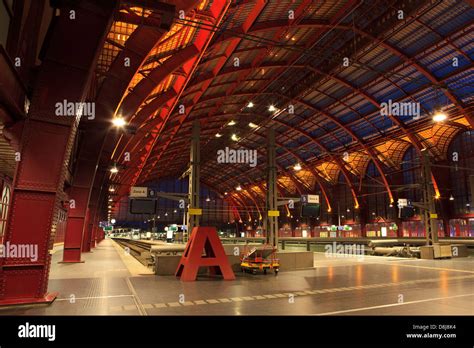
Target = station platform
(111,282)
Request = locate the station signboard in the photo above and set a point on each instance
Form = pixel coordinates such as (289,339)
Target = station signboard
(310,199)
(139,192)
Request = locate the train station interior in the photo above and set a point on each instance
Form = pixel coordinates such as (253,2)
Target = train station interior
(237,158)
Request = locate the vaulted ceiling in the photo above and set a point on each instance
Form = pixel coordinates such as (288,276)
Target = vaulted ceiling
(327,67)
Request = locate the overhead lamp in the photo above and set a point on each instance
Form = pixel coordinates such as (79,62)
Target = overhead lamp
(297,167)
(111,200)
(114,170)
(250,105)
(113,221)
(119,122)
(437,196)
(218,135)
(451,198)
(225,193)
(234,137)
(111,189)
(252,125)
(175,211)
(238,188)
(166,214)
(232,123)
(440,116)
(272,108)
(208,199)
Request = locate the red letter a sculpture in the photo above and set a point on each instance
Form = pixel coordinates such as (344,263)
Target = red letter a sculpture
(204,238)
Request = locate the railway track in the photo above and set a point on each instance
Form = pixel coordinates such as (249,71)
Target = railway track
(138,249)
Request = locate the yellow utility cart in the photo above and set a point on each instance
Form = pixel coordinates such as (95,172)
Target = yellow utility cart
(260,258)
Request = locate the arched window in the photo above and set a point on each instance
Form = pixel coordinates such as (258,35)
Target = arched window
(4,205)
(343,200)
(461,160)
(377,197)
(411,169)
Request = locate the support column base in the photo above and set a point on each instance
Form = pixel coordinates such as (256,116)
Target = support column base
(47,299)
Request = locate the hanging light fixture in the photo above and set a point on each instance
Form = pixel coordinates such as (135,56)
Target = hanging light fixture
(250,105)
(119,122)
(297,167)
(439,116)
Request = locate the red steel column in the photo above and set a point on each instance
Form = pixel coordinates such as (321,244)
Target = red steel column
(46,143)
(74,242)
(78,233)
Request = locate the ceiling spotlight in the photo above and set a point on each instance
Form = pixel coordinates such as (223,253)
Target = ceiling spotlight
(225,193)
(234,137)
(111,189)
(451,198)
(114,170)
(166,214)
(297,167)
(239,188)
(218,135)
(232,123)
(440,116)
(119,122)
(111,200)
(250,105)
(252,125)
(175,211)
(272,108)
(208,199)
(113,221)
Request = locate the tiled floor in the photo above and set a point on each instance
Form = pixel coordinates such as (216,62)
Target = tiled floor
(111,282)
